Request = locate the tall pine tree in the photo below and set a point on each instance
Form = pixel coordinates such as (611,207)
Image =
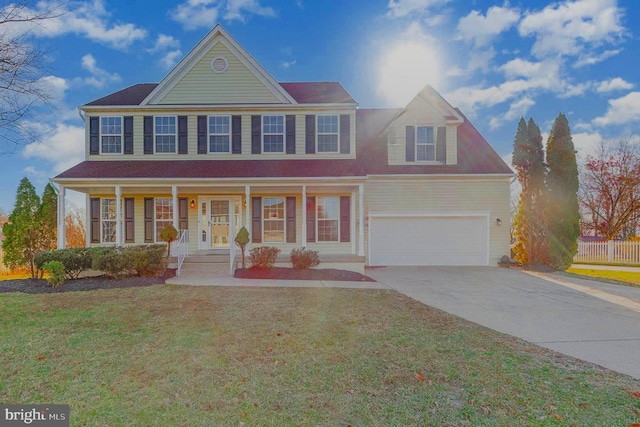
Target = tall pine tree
(22,230)
(528,159)
(48,218)
(563,213)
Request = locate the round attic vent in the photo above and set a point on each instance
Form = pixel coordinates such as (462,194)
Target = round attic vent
(219,64)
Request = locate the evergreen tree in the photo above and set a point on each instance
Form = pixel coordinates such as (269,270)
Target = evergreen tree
(563,213)
(48,219)
(21,232)
(528,159)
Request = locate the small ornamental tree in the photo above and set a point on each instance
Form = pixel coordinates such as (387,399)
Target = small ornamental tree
(242,240)
(169,234)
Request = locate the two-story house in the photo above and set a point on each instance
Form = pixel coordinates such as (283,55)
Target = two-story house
(219,144)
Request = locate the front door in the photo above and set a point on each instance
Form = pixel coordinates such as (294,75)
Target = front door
(215,223)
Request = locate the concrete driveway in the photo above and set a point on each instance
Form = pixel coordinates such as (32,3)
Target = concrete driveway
(581,322)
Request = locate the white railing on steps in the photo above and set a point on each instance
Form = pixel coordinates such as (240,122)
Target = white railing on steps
(182,249)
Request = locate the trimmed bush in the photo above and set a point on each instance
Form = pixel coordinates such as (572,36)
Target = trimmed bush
(302,259)
(113,262)
(263,257)
(55,269)
(148,260)
(75,260)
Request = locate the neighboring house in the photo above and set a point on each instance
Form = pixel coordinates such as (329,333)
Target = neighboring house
(219,144)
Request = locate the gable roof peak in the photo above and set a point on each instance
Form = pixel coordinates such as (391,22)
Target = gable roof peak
(429,94)
(217,35)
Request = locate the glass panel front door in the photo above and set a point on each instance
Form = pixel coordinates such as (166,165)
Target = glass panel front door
(215,228)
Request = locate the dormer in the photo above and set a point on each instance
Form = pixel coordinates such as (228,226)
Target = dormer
(424,132)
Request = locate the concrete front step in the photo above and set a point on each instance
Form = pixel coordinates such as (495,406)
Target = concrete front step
(218,269)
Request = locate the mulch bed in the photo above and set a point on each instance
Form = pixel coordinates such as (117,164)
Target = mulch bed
(40,286)
(282,273)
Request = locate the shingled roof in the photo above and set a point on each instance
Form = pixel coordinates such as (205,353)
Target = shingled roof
(302,92)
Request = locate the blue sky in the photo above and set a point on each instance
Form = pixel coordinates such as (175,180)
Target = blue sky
(496,60)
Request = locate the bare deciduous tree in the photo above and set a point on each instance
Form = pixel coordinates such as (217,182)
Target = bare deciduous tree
(610,190)
(22,67)
(74,227)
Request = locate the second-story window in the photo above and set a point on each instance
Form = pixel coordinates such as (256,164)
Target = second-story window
(165,134)
(425,143)
(111,134)
(273,134)
(219,134)
(328,134)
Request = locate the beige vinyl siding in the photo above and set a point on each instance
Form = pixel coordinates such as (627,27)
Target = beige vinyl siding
(473,194)
(419,113)
(192,126)
(203,86)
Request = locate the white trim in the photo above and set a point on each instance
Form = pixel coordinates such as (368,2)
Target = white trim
(119,234)
(432,93)
(100,135)
(362,219)
(61,244)
(87,219)
(207,199)
(175,135)
(215,36)
(304,215)
(348,108)
(208,182)
(174,196)
(209,134)
(337,116)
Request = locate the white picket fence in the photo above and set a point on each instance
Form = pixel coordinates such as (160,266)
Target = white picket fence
(612,251)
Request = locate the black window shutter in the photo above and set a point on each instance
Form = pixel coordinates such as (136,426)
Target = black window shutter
(128,135)
(256,219)
(310,134)
(148,220)
(411,144)
(94,208)
(345,218)
(256,134)
(441,145)
(236,134)
(148,134)
(291,220)
(291,134)
(183,213)
(129,218)
(202,134)
(183,135)
(345,134)
(94,135)
(311,219)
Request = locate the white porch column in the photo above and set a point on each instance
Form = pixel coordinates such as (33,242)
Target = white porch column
(247,215)
(62,231)
(87,219)
(304,215)
(352,227)
(176,220)
(119,239)
(362,218)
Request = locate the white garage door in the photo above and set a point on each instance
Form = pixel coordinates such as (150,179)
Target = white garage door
(445,240)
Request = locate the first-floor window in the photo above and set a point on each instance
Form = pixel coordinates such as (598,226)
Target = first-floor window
(163,214)
(328,212)
(108,220)
(273,222)
(425,143)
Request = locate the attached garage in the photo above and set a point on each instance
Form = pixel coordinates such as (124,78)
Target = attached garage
(401,239)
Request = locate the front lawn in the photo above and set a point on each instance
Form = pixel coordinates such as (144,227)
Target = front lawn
(172,355)
(627,277)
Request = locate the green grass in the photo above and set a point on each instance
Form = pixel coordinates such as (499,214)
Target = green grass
(627,277)
(169,355)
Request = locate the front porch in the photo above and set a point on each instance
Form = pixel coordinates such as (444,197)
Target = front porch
(323,216)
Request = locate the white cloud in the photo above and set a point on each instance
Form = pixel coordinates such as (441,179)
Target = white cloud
(400,8)
(613,85)
(590,59)
(482,29)
(517,109)
(195,14)
(567,27)
(87,19)
(99,77)
(56,87)
(622,110)
(287,64)
(165,42)
(586,143)
(62,146)
(169,48)
(576,90)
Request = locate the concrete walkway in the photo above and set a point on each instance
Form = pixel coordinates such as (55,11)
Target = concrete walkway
(589,320)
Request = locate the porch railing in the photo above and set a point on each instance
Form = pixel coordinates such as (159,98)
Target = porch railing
(182,248)
(611,251)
